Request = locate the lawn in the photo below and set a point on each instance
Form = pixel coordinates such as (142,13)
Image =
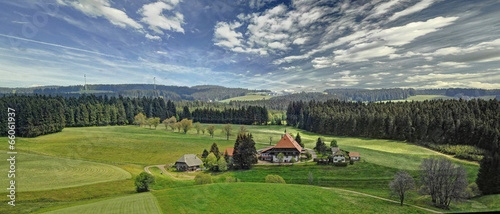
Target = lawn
(136,203)
(270,198)
(39,172)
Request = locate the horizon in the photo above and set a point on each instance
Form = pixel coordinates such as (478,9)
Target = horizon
(289,46)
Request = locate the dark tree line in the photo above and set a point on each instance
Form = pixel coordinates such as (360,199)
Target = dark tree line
(251,115)
(455,122)
(373,95)
(39,114)
(281,102)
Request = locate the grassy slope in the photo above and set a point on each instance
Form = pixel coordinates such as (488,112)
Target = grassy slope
(119,144)
(39,172)
(269,198)
(137,203)
(248,97)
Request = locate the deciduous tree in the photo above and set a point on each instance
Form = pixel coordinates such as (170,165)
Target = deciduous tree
(402,183)
(143,180)
(211,130)
(226,130)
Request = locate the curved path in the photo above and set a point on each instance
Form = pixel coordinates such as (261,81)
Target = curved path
(385,199)
(162,168)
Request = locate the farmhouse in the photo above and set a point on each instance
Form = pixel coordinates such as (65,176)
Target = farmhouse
(354,156)
(287,145)
(338,156)
(188,162)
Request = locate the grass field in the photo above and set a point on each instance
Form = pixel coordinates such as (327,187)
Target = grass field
(39,172)
(249,97)
(138,203)
(131,148)
(270,198)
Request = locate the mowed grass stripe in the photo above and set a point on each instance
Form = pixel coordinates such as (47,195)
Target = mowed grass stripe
(39,172)
(138,203)
(270,198)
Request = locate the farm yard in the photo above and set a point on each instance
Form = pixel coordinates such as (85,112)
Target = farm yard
(121,152)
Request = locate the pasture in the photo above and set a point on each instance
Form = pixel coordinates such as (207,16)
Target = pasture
(138,203)
(275,198)
(249,97)
(39,172)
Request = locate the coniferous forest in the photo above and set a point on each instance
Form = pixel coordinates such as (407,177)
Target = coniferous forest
(439,122)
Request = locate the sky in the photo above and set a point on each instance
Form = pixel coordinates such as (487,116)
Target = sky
(292,46)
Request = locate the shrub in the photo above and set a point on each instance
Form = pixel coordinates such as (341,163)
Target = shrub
(203,178)
(142,181)
(275,179)
(230,180)
(351,161)
(473,191)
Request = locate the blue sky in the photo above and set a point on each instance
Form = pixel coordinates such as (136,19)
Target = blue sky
(259,44)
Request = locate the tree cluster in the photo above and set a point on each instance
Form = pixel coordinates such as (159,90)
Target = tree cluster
(248,116)
(474,122)
(245,154)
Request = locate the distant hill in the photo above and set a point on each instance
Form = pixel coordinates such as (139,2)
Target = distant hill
(202,92)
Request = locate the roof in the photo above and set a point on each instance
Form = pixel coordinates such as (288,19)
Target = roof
(266,149)
(339,152)
(288,142)
(229,151)
(335,149)
(354,154)
(190,160)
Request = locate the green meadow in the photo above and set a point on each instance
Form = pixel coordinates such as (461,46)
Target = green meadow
(138,203)
(266,198)
(83,166)
(248,97)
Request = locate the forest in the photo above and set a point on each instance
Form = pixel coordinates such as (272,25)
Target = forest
(373,95)
(439,122)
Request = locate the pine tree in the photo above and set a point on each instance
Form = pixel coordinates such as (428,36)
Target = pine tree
(488,177)
(299,140)
(215,149)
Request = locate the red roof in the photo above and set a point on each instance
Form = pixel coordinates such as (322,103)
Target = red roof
(354,154)
(288,142)
(229,151)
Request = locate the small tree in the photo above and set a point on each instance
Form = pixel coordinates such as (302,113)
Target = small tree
(168,122)
(172,123)
(242,129)
(275,179)
(186,125)
(299,140)
(202,178)
(205,154)
(226,130)
(211,162)
(155,121)
(292,160)
(215,150)
(198,127)
(401,184)
(320,146)
(143,180)
(178,126)
(140,119)
(270,139)
(280,157)
(211,130)
(203,130)
(333,143)
(310,179)
(150,122)
(222,165)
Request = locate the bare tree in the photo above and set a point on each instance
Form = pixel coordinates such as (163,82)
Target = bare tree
(226,130)
(443,181)
(401,184)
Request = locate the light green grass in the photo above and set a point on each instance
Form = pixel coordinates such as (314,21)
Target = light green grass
(120,144)
(39,172)
(270,198)
(249,97)
(137,204)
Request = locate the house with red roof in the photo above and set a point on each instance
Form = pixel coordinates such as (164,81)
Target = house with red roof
(354,156)
(287,145)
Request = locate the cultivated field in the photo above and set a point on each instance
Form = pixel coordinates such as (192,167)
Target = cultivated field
(138,203)
(39,172)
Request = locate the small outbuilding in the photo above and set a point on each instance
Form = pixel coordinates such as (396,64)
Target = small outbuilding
(354,156)
(188,162)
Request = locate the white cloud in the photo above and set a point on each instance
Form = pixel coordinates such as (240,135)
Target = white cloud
(153,16)
(102,8)
(413,9)
(323,62)
(149,36)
